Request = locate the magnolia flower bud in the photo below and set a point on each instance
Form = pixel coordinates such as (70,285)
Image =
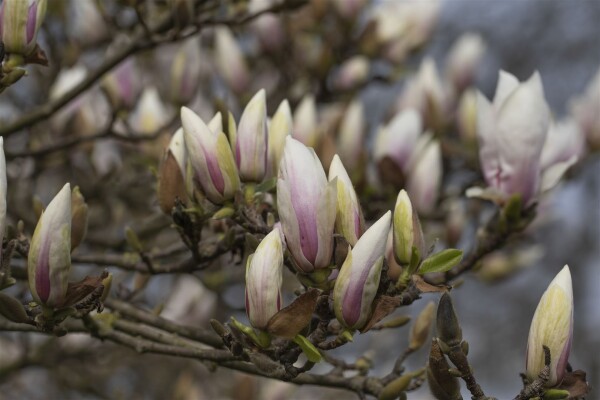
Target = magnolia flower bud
(230,60)
(397,140)
(20,21)
(552,326)
(352,73)
(86,24)
(407,230)
(466,116)
(512,131)
(349,221)
(150,113)
(79,218)
(250,142)
(421,327)
(121,85)
(2,195)
(357,283)
(448,328)
(306,129)
(185,73)
(307,206)
(263,280)
(172,173)
(425,176)
(49,259)
(584,109)
(426,93)
(280,128)
(211,160)
(268,27)
(352,130)
(463,58)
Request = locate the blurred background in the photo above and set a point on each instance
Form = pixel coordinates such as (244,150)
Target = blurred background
(221,70)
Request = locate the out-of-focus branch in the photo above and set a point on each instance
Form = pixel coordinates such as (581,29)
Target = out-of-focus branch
(140,42)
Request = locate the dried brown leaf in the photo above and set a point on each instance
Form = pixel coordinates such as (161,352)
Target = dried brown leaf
(289,321)
(382,307)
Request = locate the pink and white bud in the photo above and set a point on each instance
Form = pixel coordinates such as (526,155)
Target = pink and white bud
(351,139)
(251,140)
(122,85)
(512,131)
(280,127)
(407,230)
(3,190)
(49,259)
(210,157)
(398,139)
(425,93)
(268,27)
(357,283)
(264,271)
(351,73)
(349,220)
(425,175)
(150,114)
(552,326)
(20,21)
(185,73)
(306,203)
(463,58)
(230,60)
(86,24)
(306,129)
(585,108)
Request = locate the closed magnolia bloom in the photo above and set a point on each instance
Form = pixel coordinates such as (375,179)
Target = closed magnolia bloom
(280,128)
(512,131)
(351,73)
(185,73)
(20,21)
(398,139)
(425,175)
(306,129)
(3,189)
(407,230)
(250,141)
(172,173)
(463,59)
(122,86)
(268,27)
(306,204)
(49,259)
(150,113)
(210,158)
(585,108)
(351,140)
(230,60)
(264,271)
(86,24)
(425,92)
(349,220)
(552,326)
(357,283)
(466,116)
(565,143)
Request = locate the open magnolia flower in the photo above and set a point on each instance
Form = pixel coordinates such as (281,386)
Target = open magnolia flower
(512,131)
